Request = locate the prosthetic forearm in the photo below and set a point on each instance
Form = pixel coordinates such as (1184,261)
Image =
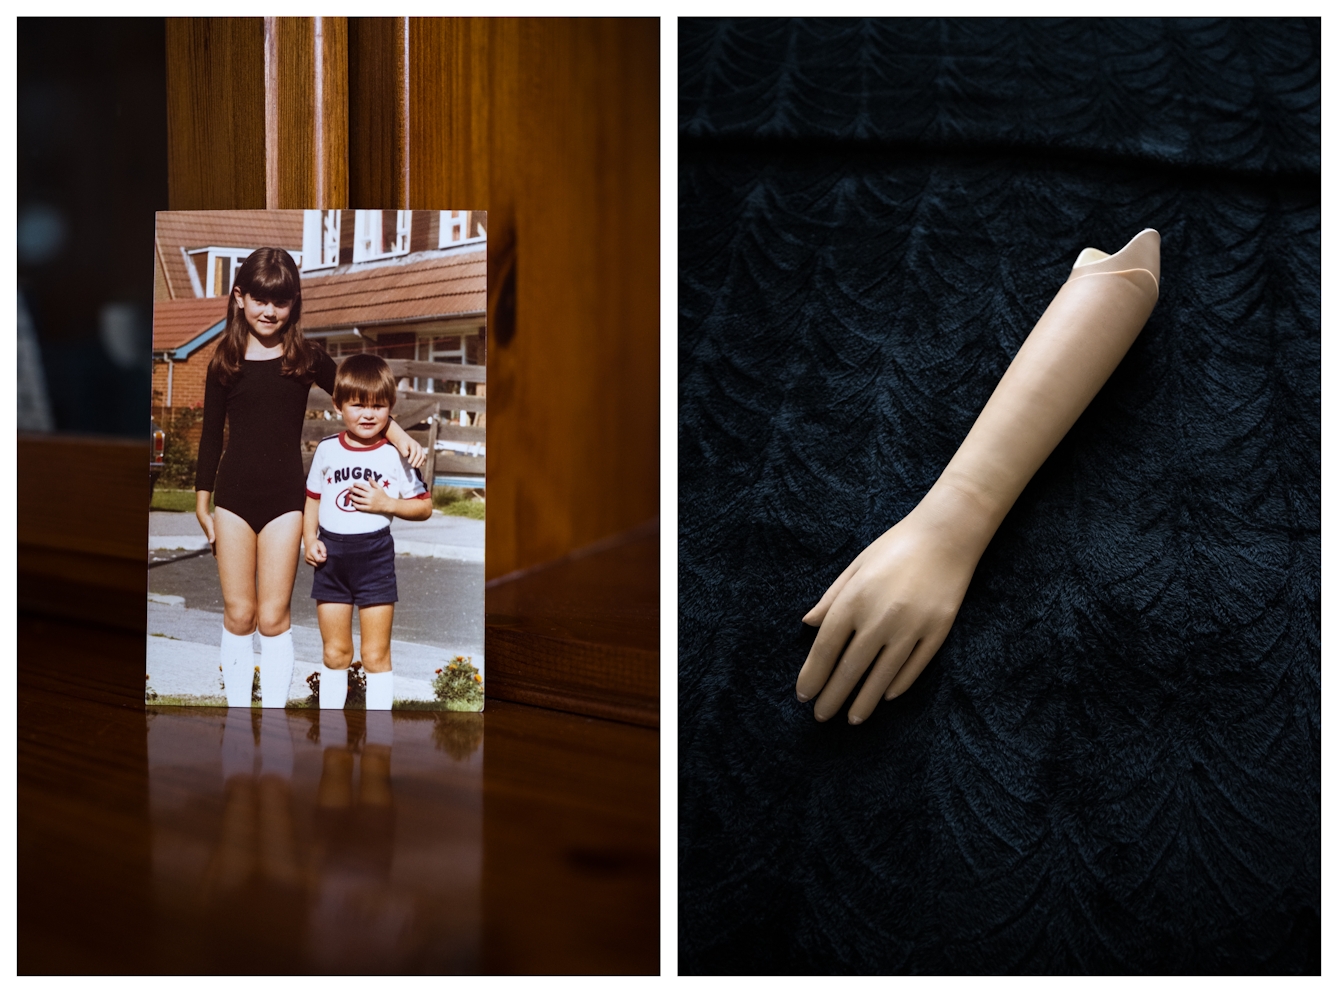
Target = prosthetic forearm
(901,594)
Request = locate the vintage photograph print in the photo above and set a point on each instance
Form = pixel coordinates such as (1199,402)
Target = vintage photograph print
(317,454)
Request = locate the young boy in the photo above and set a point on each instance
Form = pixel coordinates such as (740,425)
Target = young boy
(357,484)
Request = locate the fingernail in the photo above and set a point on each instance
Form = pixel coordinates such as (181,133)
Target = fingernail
(800,697)
(819,716)
(892,696)
(856,720)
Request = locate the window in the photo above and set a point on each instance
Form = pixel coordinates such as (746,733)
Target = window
(460,227)
(448,350)
(320,239)
(380,234)
(213,269)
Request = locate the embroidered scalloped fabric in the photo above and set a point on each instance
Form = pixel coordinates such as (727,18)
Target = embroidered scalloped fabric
(1112,765)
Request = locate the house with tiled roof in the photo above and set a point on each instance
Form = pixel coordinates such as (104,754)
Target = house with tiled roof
(408,285)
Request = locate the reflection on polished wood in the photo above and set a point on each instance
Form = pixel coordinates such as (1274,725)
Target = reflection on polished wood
(202,840)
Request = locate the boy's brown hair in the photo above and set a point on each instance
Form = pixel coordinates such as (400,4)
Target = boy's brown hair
(364,378)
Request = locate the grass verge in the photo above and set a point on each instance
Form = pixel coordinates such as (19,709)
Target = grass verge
(180,501)
(457,502)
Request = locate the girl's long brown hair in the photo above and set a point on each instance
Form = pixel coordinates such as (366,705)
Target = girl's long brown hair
(269,275)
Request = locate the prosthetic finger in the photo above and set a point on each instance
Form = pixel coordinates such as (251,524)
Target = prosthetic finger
(863,649)
(827,647)
(890,662)
(916,663)
(819,611)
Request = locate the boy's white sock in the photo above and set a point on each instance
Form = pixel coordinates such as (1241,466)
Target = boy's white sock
(276,668)
(380,690)
(238,661)
(334,688)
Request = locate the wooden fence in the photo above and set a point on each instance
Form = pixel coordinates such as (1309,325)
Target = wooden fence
(421,415)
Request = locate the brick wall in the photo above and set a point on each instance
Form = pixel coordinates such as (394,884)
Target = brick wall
(187,379)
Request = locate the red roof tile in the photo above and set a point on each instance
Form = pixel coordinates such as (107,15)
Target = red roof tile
(434,287)
(441,286)
(176,322)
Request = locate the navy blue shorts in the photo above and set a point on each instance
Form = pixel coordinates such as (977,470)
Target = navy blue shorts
(358,569)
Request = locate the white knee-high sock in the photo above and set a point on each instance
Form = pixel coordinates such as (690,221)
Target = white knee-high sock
(334,688)
(380,690)
(276,668)
(238,661)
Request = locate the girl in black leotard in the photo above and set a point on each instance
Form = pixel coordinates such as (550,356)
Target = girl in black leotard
(258,382)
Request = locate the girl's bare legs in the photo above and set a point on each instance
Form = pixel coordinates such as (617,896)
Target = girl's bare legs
(256,573)
(235,546)
(276,570)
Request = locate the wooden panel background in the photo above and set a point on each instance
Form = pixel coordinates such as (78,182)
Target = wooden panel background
(306,112)
(570,111)
(549,124)
(215,113)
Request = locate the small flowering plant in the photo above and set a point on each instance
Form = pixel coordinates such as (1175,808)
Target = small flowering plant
(459,684)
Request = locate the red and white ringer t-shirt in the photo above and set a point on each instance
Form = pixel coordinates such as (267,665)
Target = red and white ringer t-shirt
(337,466)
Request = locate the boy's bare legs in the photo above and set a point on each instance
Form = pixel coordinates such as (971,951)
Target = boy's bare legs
(336,623)
(376,623)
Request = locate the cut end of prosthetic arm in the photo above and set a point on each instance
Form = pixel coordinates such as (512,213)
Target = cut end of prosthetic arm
(1142,252)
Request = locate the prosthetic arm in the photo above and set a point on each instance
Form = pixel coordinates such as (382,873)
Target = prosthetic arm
(894,604)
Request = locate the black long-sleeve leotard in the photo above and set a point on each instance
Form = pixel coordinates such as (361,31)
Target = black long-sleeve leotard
(260,475)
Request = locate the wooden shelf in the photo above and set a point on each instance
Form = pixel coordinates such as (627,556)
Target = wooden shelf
(582,633)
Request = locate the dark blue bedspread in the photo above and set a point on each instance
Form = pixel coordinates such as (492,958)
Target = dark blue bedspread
(1112,765)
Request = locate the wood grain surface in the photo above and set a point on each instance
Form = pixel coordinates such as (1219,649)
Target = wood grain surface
(573,213)
(582,633)
(110,518)
(378,112)
(306,112)
(215,113)
(551,126)
(543,859)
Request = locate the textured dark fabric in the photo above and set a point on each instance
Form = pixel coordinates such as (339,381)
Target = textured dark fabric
(1112,764)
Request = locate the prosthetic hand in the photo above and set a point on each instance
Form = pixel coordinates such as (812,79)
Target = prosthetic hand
(893,606)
